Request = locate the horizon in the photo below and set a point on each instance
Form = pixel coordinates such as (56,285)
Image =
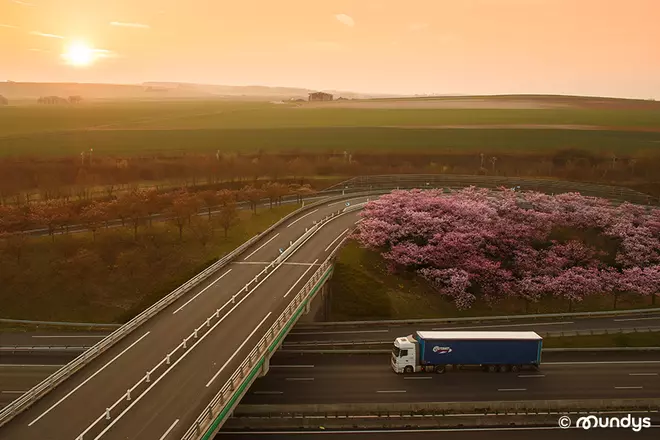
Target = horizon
(489,47)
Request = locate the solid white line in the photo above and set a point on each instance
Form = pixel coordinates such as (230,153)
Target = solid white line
(643,374)
(338,332)
(259,248)
(239,349)
(300,218)
(512,389)
(335,240)
(627,388)
(417,378)
(75,337)
(292,366)
(337,247)
(268,392)
(601,362)
(392,391)
(203,290)
(531,375)
(298,280)
(505,325)
(636,319)
(13,392)
(359,221)
(87,380)
(299,378)
(170,429)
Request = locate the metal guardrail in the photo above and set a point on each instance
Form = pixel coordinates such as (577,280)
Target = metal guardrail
(58,323)
(38,391)
(481,319)
(230,393)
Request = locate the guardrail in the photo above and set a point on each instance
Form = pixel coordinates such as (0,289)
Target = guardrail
(439,409)
(23,402)
(481,319)
(229,395)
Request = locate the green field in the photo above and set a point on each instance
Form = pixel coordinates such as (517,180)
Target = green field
(205,126)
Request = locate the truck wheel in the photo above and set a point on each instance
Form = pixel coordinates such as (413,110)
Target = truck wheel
(439,369)
(492,368)
(515,368)
(408,370)
(504,368)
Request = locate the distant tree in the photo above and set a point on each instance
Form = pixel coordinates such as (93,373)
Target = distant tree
(183,207)
(134,205)
(76,99)
(252,195)
(93,216)
(202,229)
(275,191)
(51,214)
(209,199)
(228,216)
(301,191)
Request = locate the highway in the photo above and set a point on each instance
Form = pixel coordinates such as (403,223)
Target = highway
(180,391)
(541,433)
(343,379)
(310,333)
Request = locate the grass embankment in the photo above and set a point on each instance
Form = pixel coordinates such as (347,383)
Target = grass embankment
(650,339)
(362,289)
(114,277)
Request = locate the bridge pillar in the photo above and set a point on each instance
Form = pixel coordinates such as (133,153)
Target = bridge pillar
(265,367)
(307,307)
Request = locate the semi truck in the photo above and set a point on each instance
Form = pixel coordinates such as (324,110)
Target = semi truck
(493,351)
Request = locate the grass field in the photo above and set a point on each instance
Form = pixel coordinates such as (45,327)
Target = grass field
(362,289)
(206,126)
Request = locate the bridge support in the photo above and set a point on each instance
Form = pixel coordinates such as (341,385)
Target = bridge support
(265,367)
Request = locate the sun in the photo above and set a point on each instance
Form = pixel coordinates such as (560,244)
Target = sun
(79,54)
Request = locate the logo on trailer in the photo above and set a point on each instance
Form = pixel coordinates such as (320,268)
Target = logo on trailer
(441,350)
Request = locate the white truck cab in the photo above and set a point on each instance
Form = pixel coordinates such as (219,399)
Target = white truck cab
(404,355)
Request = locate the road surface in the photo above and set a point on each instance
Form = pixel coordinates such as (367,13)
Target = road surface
(179,391)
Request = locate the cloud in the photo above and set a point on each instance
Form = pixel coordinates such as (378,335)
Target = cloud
(129,25)
(8,26)
(418,26)
(41,34)
(345,19)
(19,2)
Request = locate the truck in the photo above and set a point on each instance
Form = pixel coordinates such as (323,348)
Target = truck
(493,351)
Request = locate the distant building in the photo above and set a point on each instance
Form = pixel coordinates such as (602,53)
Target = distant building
(52,100)
(3,100)
(320,96)
(76,99)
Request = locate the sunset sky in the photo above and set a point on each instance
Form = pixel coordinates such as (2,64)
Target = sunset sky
(587,47)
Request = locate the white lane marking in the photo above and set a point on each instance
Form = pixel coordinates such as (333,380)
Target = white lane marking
(359,221)
(643,374)
(88,379)
(627,388)
(268,392)
(154,383)
(636,319)
(300,218)
(601,362)
(298,280)
(13,392)
(259,248)
(28,365)
(170,429)
(344,332)
(202,291)
(237,350)
(335,240)
(337,247)
(505,325)
(531,375)
(74,337)
(391,391)
(292,366)
(417,378)
(512,389)
(299,378)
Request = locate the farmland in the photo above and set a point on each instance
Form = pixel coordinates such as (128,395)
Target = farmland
(512,125)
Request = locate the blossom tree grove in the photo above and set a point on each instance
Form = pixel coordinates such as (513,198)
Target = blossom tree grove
(495,243)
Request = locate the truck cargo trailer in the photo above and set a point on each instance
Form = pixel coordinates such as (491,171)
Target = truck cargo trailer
(434,351)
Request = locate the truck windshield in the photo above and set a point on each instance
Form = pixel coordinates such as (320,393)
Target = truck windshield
(395,351)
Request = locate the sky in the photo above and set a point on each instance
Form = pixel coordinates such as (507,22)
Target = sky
(583,47)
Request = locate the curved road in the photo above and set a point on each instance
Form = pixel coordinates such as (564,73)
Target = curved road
(180,391)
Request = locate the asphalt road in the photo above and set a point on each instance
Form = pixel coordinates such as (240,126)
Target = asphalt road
(180,391)
(452,434)
(308,333)
(336,379)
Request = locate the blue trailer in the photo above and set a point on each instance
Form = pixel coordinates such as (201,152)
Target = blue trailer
(434,351)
